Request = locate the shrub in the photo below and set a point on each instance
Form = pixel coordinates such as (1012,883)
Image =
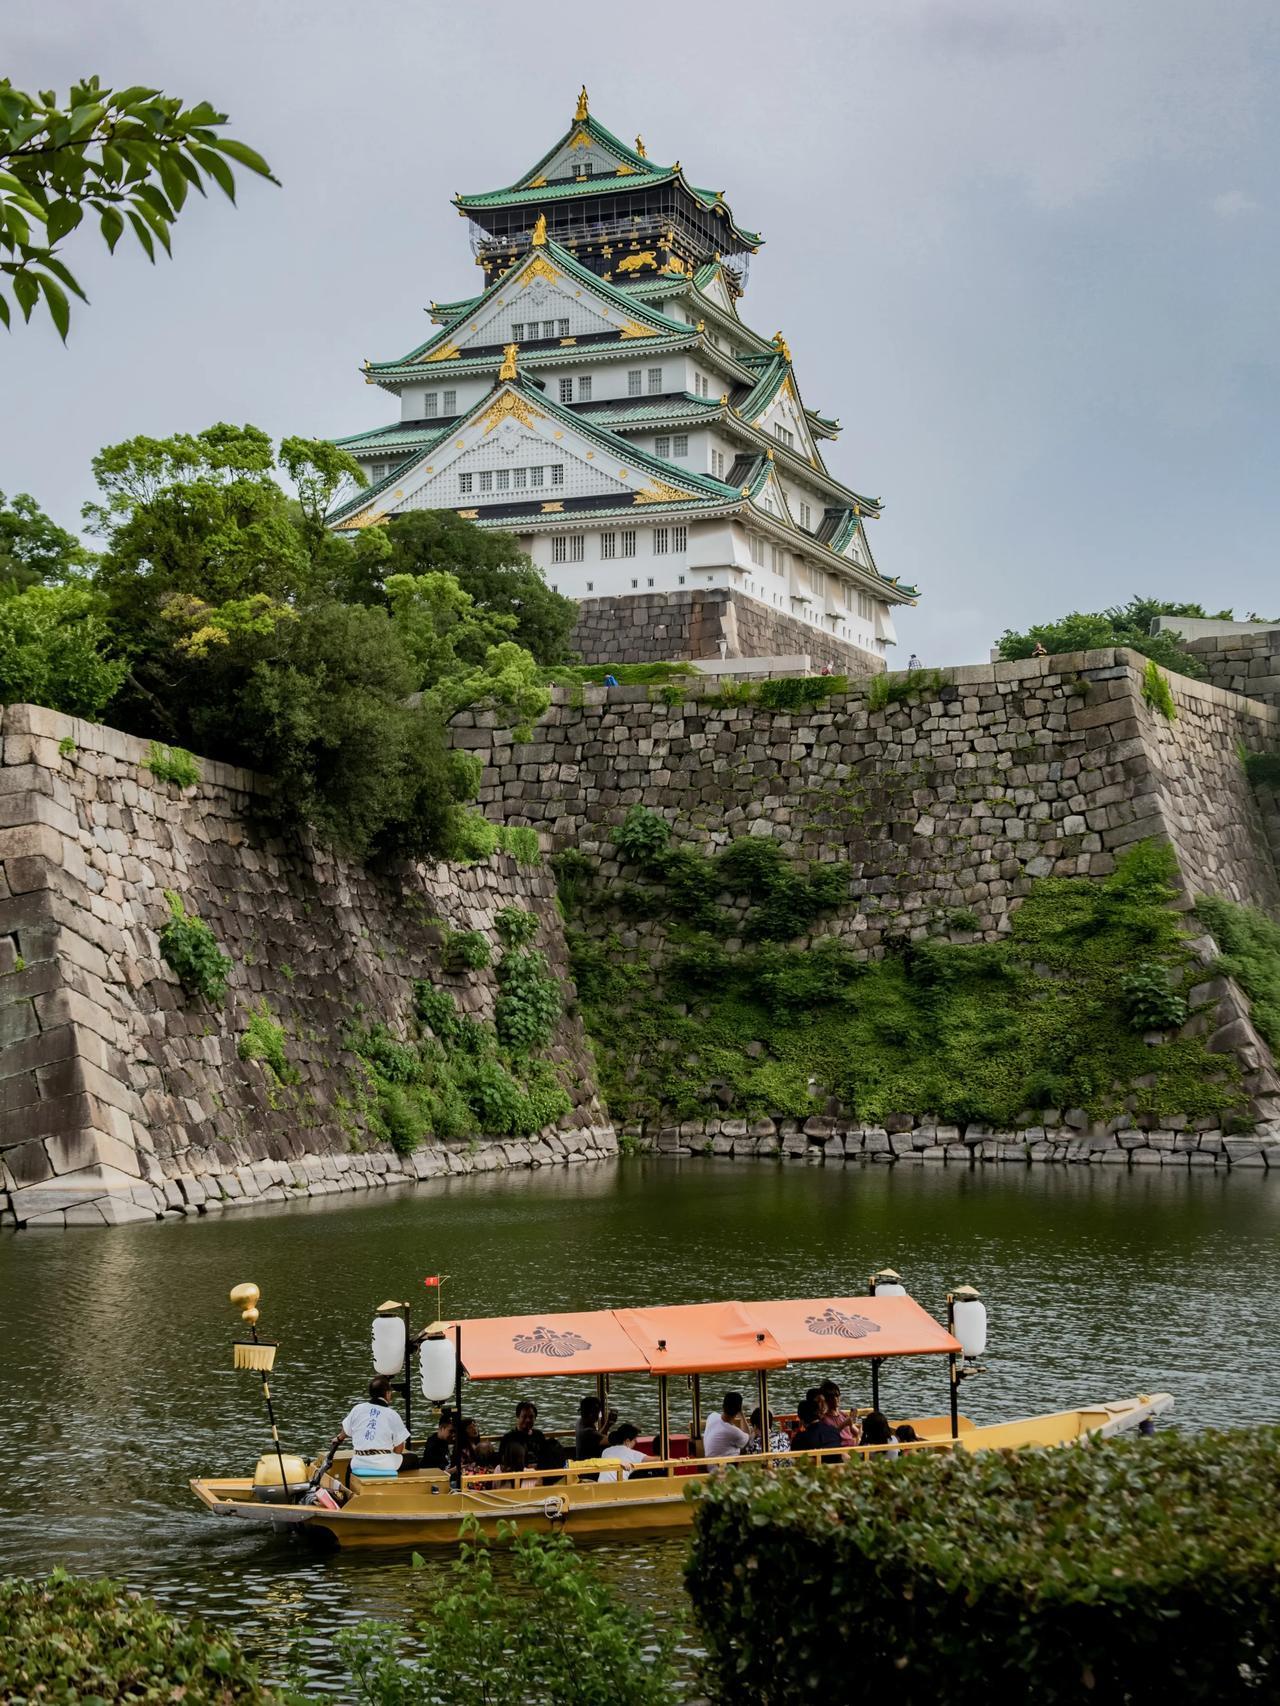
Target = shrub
(67,1639)
(54,651)
(1263,767)
(576,1642)
(800,692)
(1250,944)
(1136,1571)
(885,690)
(516,926)
(471,838)
(1151,1003)
(1157,692)
(529,1002)
(191,951)
(962,918)
(437,1008)
(642,836)
(172,764)
(574,874)
(521,843)
(466,950)
(263,1039)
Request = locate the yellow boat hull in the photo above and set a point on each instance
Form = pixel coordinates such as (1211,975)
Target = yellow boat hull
(419,1508)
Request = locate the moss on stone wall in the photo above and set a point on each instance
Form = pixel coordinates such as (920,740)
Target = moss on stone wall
(977,1032)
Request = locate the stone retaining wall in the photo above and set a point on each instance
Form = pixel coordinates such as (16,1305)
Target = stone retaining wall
(1244,662)
(1073,1140)
(661,627)
(114,1085)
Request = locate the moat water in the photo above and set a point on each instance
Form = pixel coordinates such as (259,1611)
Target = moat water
(116,1383)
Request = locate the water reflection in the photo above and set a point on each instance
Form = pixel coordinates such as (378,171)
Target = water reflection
(117,1385)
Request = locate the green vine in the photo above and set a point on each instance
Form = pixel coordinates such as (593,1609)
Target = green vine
(191,951)
(1157,692)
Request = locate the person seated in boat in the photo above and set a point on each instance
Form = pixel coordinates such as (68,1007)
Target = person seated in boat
(876,1431)
(905,1434)
(552,1454)
(726,1434)
(513,1461)
(589,1436)
(533,1437)
(816,1434)
(477,1457)
(437,1453)
(622,1449)
(755,1446)
(842,1422)
(377,1433)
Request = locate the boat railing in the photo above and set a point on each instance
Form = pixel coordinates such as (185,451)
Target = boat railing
(591,1469)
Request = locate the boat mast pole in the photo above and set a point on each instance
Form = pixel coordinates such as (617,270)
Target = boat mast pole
(696,1419)
(457,1408)
(407,1385)
(762,1393)
(952,1369)
(875,1382)
(664,1420)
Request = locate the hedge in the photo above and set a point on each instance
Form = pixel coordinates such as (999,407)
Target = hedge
(1139,1571)
(65,1639)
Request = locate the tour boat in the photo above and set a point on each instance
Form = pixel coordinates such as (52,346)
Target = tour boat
(687,1342)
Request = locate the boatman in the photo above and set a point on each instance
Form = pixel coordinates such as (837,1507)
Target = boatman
(377,1434)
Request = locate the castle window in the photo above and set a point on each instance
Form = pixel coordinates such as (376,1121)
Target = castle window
(819,581)
(779,559)
(451,402)
(503,479)
(680,444)
(608,546)
(377,471)
(535,476)
(566,390)
(557,473)
(518,477)
(430,404)
(558,548)
(588,168)
(486,481)
(649,582)
(564,328)
(591,586)
(635,383)
(717,464)
(517,331)
(655,379)
(464,482)
(757,550)
(584,388)
(635,584)
(577,547)
(680,579)
(785,437)
(865,607)
(661,541)
(548,328)
(662,447)
(627,542)
(806,517)
(679,538)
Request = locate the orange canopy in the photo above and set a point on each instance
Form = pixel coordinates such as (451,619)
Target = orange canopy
(515,1347)
(699,1338)
(702,1338)
(810,1329)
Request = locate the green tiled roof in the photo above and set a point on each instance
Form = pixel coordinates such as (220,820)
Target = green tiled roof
(568,265)
(612,411)
(400,435)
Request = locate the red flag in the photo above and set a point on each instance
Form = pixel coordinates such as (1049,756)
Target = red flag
(432,1279)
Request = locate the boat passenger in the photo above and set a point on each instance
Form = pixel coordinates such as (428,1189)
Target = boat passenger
(526,1416)
(552,1455)
(589,1438)
(905,1434)
(829,1392)
(622,1446)
(513,1460)
(476,1456)
(437,1453)
(725,1434)
(876,1431)
(778,1441)
(377,1433)
(816,1434)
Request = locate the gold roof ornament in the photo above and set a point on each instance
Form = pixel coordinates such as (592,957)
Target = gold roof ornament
(508,368)
(582,107)
(539,238)
(669,238)
(782,346)
(640,148)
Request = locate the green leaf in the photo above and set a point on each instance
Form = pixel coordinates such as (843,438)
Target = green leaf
(64,216)
(143,235)
(4,313)
(112,224)
(218,170)
(245,155)
(26,293)
(59,307)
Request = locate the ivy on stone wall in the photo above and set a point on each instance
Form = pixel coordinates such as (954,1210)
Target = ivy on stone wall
(967,1032)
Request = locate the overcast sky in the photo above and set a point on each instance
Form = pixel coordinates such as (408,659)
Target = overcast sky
(1027,252)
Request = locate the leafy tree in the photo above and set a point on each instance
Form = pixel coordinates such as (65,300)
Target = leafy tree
(1121,625)
(33,548)
(488,566)
(55,650)
(127,155)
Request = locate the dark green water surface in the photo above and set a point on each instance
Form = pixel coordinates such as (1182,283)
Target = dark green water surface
(116,1383)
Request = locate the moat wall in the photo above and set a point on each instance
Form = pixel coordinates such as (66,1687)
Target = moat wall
(121,1097)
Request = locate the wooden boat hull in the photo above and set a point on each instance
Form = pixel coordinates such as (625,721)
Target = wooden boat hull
(419,1509)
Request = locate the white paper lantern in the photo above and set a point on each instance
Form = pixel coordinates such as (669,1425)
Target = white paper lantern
(388,1344)
(438,1361)
(969,1321)
(887,1284)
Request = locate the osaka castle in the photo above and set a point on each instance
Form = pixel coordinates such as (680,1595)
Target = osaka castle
(603,400)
